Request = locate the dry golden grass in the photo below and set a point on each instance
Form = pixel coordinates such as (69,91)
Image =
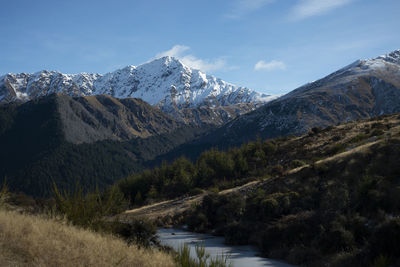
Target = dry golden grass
(33,241)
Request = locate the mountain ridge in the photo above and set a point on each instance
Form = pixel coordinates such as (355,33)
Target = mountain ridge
(165,82)
(362,89)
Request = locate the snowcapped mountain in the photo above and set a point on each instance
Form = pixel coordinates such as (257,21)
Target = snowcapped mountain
(363,89)
(385,67)
(165,82)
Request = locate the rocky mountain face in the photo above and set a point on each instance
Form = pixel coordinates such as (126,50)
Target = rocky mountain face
(165,83)
(363,89)
(92,118)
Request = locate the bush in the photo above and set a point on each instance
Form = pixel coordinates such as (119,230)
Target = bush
(386,239)
(358,138)
(88,210)
(202,259)
(277,170)
(297,163)
(141,232)
(316,130)
(236,234)
(381,261)
(290,231)
(336,148)
(4,195)
(197,222)
(195,191)
(301,255)
(337,240)
(377,132)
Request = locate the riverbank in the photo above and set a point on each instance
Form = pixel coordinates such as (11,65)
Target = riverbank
(237,255)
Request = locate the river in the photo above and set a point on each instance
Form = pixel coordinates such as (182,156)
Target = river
(238,255)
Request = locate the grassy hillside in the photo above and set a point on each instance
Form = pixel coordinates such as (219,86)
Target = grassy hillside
(33,241)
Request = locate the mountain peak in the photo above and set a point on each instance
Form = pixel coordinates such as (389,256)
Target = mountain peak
(165,82)
(392,57)
(163,62)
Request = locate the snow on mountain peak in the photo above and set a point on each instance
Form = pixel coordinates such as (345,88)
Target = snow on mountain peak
(164,82)
(392,57)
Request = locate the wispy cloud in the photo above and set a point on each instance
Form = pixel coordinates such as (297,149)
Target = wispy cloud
(180,52)
(269,66)
(241,8)
(309,8)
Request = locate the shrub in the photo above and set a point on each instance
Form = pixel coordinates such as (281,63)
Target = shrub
(277,170)
(88,210)
(202,259)
(4,195)
(386,239)
(140,231)
(381,261)
(358,138)
(297,163)
(300,255)
(337,240)
(236,234)
(377,132)
(195,191)
(197,222)
(316,130)
(289,231)
(269,148)
(336,148)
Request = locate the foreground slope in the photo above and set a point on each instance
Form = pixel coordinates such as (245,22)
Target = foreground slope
(327,198)
(33,241)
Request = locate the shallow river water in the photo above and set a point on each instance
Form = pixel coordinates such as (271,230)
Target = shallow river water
(238,255)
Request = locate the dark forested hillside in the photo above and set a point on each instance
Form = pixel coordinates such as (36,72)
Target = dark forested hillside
(35,153)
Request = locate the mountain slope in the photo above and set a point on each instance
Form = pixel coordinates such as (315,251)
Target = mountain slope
(166,83)
(93,118)
(363,89)
(93,140)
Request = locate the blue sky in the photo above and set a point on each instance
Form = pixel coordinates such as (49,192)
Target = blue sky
(271,46)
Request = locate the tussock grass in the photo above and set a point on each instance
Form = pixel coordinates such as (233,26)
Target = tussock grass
(34,241)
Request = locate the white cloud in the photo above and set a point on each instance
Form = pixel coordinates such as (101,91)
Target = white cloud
(269,66)
(241,8)
(309,8)
(176,51)
(179,52)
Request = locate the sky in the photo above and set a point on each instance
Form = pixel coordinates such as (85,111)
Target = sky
(271,46)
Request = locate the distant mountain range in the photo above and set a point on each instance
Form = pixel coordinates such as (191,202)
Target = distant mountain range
(88,127)
(363,89)
(165,83)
